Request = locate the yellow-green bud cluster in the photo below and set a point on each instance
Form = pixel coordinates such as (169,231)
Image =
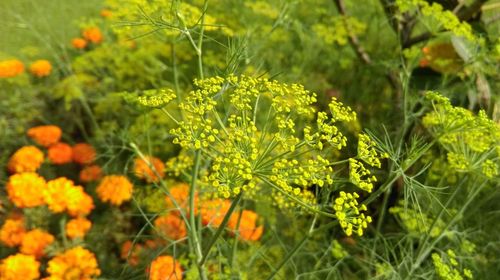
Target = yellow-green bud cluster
(448,268)
(417,222)
(348,212)
(360,176)
(180,164)
(195,133)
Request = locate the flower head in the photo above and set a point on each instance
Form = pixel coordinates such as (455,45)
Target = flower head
(26,159)
(12,232)
(18,267)
(92,34)
(180,193)
(165,268)
(143,170)
(130,252)
(26,189)
(348,212)
(247,227)
(75,263)
(79,43)
(213,211)
(11,68)
(45,135)
(77,228)
(62,195)
(105,13)
(41,68)
(60,153)
(83,153)
(171,226)
(35,241)
(115,189)
(90,173)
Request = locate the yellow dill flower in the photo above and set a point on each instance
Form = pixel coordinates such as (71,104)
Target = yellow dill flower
(75,263)
(26,189)
(114,189)
(11,68)
(35,241)
(165,268)
(416,222)
(348,212)
(12,232)
(448,268)
(367,151)
(45,135)
(489,168)
(41,68)
(18,267)
(77,228)
(26,159)
(360,176)
(143,170)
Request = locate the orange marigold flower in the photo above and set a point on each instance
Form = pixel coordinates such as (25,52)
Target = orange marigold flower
(92,34)
(11,68)
(180,193)
(143,171)
(79,43)
(90,173)
(130,252)
(19,266)
(248,230)
(83,153)
(62,195)
(171,226)
(213,211)
(105,13)
(423,63)
(35,241)
(77,228)
(165,268)
(26,189)
(12,232)
(115,189)
(26,159)
(60,153)
(41,68)
(45,135)
(76,263)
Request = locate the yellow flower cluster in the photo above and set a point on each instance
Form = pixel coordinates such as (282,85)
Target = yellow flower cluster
(26,189)
(75,263)
(115,189)
(360,176)
(448,268)
(417,222)
(338,29)
(348,212)
(62,194)
(367,151)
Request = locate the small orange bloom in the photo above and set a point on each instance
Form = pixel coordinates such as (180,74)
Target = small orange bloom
(35,241)
(26,159)
(165,268)
(425,50)
(26,189)
(76,263)
(115,188)
(19,266)
(41,68)
(143,171)
(423,63)
(130,252)
(248,230)
(11,68)
(213,211)
(12,232)
(92,34)
(60,153)
(90,173)
(180,193)
(83,153)
(105,13)
(171,226)
(77,228)
(45,135)
(79,43)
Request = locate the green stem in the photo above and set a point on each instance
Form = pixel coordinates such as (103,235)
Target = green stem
(221,228)
(193,232)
